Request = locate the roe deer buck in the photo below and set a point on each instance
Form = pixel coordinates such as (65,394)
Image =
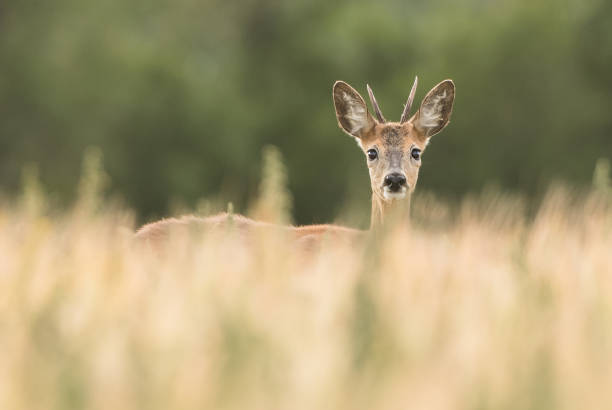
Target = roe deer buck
(393,154)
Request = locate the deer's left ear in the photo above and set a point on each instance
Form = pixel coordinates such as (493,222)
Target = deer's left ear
(351,111)
(435,111)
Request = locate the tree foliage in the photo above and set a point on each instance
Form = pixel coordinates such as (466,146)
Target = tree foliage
(182,95)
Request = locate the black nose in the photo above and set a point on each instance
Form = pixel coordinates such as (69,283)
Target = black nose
(395,181)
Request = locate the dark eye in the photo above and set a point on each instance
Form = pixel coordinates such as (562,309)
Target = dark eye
(415,153)
(372,154)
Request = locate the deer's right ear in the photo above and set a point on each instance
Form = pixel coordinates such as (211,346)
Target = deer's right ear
(351,110)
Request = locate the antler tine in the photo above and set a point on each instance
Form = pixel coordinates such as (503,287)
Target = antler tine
(406,113)
(379,115)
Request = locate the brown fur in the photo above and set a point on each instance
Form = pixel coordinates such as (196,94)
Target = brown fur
(156,234)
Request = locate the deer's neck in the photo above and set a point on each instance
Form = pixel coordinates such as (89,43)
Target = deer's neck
(382,210)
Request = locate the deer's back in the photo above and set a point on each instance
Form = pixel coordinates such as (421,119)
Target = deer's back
(157,233)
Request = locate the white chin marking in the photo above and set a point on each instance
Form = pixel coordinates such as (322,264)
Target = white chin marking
(391,196)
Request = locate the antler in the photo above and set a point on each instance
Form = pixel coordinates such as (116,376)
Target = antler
(379,115)
(406,113)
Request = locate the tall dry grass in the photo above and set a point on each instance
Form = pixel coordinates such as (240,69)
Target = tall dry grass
(483,308)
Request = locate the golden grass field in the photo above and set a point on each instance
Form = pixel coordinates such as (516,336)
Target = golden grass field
(484,307)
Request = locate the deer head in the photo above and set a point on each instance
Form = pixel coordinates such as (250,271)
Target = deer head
(393,149)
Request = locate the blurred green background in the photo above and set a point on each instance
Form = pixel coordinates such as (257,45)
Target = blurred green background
(182,95)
